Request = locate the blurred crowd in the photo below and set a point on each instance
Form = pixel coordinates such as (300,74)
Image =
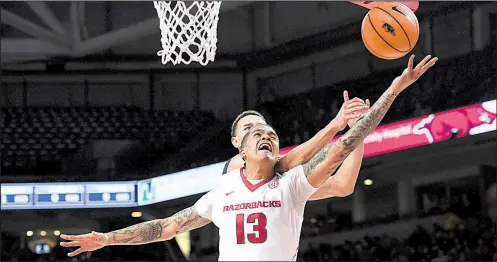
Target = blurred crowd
(471,239)
(453,83)
(464,234)
(433,204)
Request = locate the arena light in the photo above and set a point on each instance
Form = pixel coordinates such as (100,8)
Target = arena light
(136,214)
(43,233)
(56,232)
(29,233)
(368,182)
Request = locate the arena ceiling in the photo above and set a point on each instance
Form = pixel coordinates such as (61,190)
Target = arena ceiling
(39,31)
(36,30)
(33,30)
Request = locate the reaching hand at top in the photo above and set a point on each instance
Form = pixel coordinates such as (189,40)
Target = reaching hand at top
(412,74)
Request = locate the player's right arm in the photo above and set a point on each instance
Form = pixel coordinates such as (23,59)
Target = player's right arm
(159,229)
(143,233)
(323,165)
(188,219)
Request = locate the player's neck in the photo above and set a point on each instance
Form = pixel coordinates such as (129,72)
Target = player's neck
(258,172)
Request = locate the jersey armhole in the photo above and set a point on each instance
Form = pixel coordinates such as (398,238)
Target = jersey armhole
(225,169)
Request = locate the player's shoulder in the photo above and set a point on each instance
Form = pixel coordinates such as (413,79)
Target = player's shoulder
(298,170)
(231,176)
(234,163)
(290,176)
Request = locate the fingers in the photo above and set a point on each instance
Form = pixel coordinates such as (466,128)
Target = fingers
(69,237)
(75,252)
(428,65)
(353,103)
(357,107)
(355,111)
(354,100)
(354,107)
(422,63)
(356,115)
(410,64)
(70,244)
(345,96)
(358,110)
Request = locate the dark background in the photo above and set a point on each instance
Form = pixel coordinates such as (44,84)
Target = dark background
(81,76)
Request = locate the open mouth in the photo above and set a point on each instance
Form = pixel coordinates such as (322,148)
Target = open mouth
(265,146)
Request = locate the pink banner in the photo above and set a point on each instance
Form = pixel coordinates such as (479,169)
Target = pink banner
(460,122)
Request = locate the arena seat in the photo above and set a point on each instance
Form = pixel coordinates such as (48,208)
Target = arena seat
(36,136)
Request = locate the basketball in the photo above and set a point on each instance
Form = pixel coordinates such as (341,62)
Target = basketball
(390,30)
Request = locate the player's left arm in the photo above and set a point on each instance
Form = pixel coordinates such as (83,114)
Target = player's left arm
(303,153)
(324,164)
(342,183)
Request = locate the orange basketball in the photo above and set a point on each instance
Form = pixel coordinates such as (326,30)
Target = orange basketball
(390,30)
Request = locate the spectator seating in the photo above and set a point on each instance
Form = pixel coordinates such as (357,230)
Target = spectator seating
(472,240)
(35,138)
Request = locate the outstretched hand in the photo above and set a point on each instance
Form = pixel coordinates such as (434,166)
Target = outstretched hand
(411,74)
(86,242)
(358,114)
(351,111)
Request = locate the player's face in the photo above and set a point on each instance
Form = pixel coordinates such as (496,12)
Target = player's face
(243,127)
(262,144)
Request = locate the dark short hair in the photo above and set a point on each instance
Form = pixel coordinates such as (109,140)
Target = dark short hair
(242,115)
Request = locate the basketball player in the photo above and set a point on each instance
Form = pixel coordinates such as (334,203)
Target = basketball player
(343,182)
(259,212)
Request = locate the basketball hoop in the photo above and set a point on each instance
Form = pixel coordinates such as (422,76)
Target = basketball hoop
(188,31)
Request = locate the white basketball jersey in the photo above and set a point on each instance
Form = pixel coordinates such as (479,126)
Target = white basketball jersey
(258,221)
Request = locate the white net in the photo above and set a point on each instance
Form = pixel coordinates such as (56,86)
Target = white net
(189,31)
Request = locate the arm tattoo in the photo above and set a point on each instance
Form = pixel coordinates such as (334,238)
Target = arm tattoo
(354,136)
(189,219)
(155,230)
(139,234)
(316,160)
(367,123)
(363,127)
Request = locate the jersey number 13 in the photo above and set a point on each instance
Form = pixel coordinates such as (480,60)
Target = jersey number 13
(259,222)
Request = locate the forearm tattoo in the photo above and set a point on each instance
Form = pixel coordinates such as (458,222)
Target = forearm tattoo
(139,234)
(367,123)
(316,160)
(354,136)
(160,229)
(189,219)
